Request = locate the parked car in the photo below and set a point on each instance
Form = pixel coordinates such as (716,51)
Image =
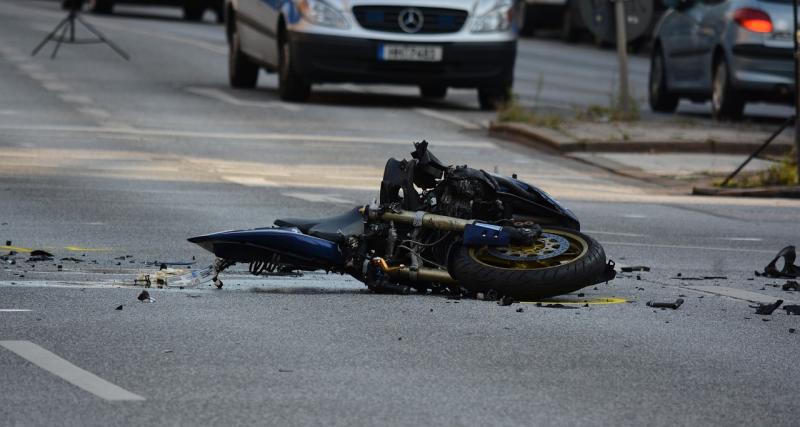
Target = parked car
(729,51)
(433,44)
(193,10)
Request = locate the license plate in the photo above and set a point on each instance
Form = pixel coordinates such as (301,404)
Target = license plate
(404,52)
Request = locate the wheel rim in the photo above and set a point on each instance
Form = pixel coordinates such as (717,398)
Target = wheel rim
(719,87)
(547,252)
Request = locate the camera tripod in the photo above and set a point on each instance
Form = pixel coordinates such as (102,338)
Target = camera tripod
(64,32)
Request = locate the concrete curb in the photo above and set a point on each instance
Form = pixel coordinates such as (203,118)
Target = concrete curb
(791,192)
(547,137)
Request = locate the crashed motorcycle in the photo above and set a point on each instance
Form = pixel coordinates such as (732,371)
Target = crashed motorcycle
(435,228)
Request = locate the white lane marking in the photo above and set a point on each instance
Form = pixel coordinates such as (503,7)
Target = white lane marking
(43,77)
(30,67)
(62,368)
(702,248)
(57,87)
(75,99)
(735,293)
(743,239)
(614,233)
(249,181)
(634,216)
(318,198)
(13,310)
(447,118)
(240,136)
(230,99)
(95,112)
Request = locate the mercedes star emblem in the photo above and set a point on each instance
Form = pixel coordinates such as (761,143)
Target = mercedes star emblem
(411,20)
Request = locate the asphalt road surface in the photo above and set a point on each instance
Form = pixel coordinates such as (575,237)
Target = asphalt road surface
(111,165)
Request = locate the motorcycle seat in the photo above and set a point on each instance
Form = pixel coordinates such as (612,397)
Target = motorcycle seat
(333,229)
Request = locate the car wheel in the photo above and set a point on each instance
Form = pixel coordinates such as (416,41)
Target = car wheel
(291,86)
(100,6)
(493,98)
(242,71)
(661,99)
(433,91)
(726,102)
(193,12)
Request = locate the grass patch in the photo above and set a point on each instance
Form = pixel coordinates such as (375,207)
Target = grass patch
(782,173)
(514,112)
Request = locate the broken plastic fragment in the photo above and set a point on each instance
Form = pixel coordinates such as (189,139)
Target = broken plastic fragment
(789,270)
(767,309)
(634,268)
(673,305)
(792,309)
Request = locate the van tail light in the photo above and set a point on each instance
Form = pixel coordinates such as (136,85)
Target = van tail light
(753,20)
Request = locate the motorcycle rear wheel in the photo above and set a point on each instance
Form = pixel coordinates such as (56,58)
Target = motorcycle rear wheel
(543,270)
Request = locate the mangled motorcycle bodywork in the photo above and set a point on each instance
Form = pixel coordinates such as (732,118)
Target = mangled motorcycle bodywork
(435,227)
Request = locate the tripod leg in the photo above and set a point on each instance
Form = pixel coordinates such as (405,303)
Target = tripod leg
(61,39)
(49,36)
(103,38)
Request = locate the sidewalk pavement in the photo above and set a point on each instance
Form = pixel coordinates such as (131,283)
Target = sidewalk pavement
(673,154)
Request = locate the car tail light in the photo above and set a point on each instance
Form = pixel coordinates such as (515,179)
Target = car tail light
(753,20)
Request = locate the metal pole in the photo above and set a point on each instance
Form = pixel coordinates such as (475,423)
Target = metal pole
(796,92)
(622,52)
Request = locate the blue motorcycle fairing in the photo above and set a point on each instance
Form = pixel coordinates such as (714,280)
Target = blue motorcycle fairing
(260,244)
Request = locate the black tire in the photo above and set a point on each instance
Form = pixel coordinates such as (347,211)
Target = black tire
(726,102)
(192,11)
(242,71)
(493,98)
(433,91)
(659,96)
(583,269)
(100,6)
(291,86)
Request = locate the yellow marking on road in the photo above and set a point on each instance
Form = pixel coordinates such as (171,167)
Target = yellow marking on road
(590,301)
(82,249)
(16,249)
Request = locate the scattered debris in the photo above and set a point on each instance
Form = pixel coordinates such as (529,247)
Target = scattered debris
(506,300)
(175,278)
(791,285)
(634,268)
(168,351)
(520,310)
(40,255)
(400,339)
(119,308)
(673,305)
(165,264)
(285,370)
(789,270)
(767,309)
(556,305)
(792,309)
(59,267)
(145,297)
(792,330)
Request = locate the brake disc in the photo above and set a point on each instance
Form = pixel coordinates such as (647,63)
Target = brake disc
(546,246)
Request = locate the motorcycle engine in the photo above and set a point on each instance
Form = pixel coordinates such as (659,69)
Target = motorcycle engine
(466,193)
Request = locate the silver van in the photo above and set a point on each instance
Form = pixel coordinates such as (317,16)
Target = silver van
(433,44)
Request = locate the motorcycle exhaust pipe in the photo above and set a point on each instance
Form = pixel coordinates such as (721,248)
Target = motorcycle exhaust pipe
(420,274)
(424,219)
